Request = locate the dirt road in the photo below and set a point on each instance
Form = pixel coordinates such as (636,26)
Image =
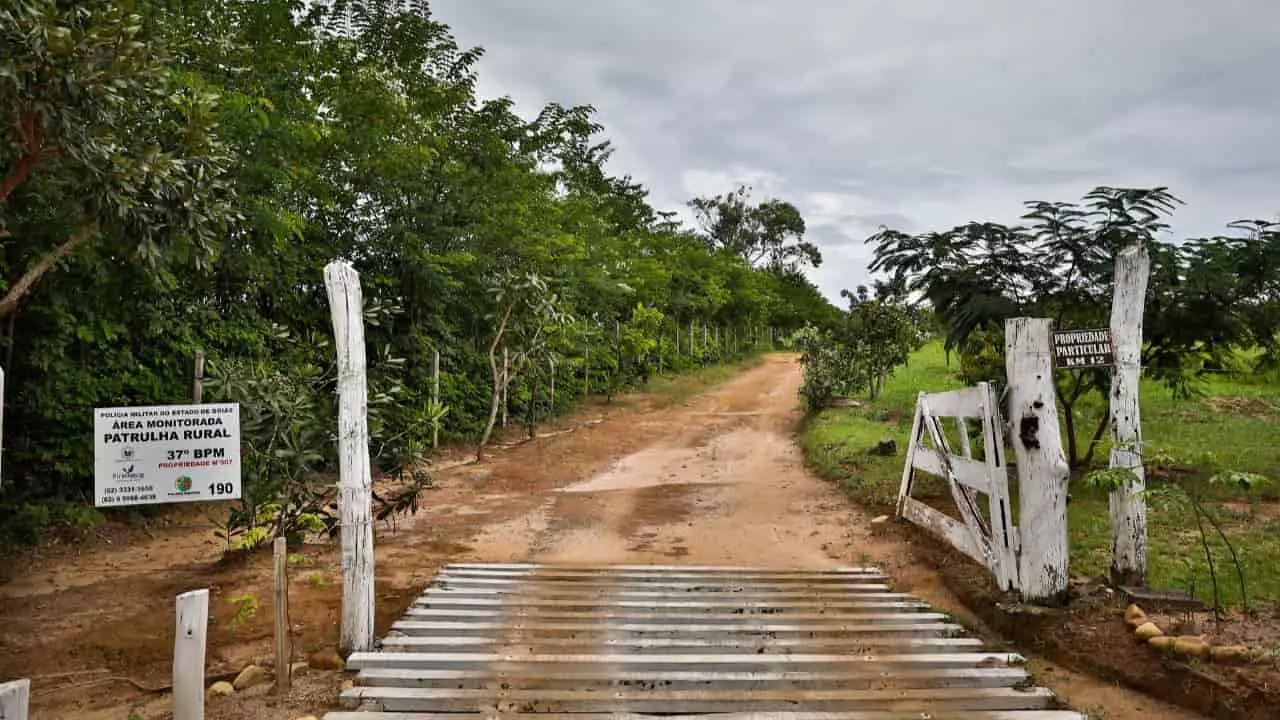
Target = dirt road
(718,479)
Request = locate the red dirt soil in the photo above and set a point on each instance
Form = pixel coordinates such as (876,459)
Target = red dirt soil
(716,480)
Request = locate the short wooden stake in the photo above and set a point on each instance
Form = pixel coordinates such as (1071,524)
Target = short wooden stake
(284,655)
(188,655)
(552,392)
(197,379)
(1042,464)
(355,498)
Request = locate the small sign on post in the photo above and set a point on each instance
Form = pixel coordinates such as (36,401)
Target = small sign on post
(1075,349)
(165,454)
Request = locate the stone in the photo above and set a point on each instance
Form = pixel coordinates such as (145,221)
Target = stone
(880,520)
(1146,631)
(1134,617)
(326,659)
(1190,647)
(1231,654)
(251,676)
(1164,643)
(298,668)
(221,689)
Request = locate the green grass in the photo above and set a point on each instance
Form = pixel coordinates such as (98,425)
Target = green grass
(1235,425)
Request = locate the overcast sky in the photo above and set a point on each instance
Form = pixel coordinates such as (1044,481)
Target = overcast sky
(917,114)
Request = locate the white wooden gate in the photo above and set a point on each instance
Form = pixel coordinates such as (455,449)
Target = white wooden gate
(990,539)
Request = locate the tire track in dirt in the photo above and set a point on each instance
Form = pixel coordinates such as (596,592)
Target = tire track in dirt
(718,479)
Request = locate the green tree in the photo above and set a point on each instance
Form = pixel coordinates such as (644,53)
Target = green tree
(769,233)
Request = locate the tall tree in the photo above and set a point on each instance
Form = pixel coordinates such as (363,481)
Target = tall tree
(769,233)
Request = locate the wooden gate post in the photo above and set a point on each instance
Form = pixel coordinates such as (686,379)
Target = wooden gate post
(354,475)
(1042,464)
(1128,506)
(192,609)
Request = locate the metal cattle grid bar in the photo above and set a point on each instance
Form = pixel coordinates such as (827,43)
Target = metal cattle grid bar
(586,642)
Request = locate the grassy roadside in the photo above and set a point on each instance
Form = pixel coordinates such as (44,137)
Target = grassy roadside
(1234,425)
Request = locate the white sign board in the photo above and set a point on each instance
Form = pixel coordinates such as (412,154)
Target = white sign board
(166,454)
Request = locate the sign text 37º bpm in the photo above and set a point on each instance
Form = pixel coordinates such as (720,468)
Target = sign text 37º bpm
(166,453)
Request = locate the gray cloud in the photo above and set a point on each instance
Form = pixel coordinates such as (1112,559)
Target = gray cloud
(916,115)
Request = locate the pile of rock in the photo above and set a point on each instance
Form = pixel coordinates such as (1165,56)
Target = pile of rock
(1187,647)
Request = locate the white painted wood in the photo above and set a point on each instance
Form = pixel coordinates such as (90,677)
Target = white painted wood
(949,529)
(965,498)
(908,469)
(354,475)
(435,394)
(1128,506)
(962,431)
(283,646)
(15,697)
(968,472)
(957,403)
(1042,464)
(552,391)
(1004,548)
(188,655)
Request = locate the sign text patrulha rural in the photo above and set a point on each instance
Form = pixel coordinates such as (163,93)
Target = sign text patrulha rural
(166,453)
(1082,348)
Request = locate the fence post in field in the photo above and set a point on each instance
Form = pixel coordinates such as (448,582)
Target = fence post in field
(552,391)
(1042,464)
(617,344)
(586,371)
(14,697)
(197,379)
(677,325)
(355,499)
(284,653)
(192,610)
(1128,506)
(506,380)
(435,395)
(691,338)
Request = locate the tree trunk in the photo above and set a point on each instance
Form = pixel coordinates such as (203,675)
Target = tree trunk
(497,383)
(1128,506)
(1069,415)
(23,285)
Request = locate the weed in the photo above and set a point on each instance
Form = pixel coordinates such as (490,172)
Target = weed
(246,608)
(318,581)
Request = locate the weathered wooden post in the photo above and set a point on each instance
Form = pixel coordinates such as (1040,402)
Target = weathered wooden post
(1042,464)
(188,655)
(284,655)
(435,395)
(1128,506)
(197,379)
(354,476)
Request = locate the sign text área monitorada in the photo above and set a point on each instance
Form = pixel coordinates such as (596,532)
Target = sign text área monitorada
(169,453)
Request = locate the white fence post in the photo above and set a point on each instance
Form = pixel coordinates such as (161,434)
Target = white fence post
(1128,506)
(14,697)
(283,647)
(1042,464)
(435,395)
(197,379)
(188,655)
(506,380)
(354,475)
